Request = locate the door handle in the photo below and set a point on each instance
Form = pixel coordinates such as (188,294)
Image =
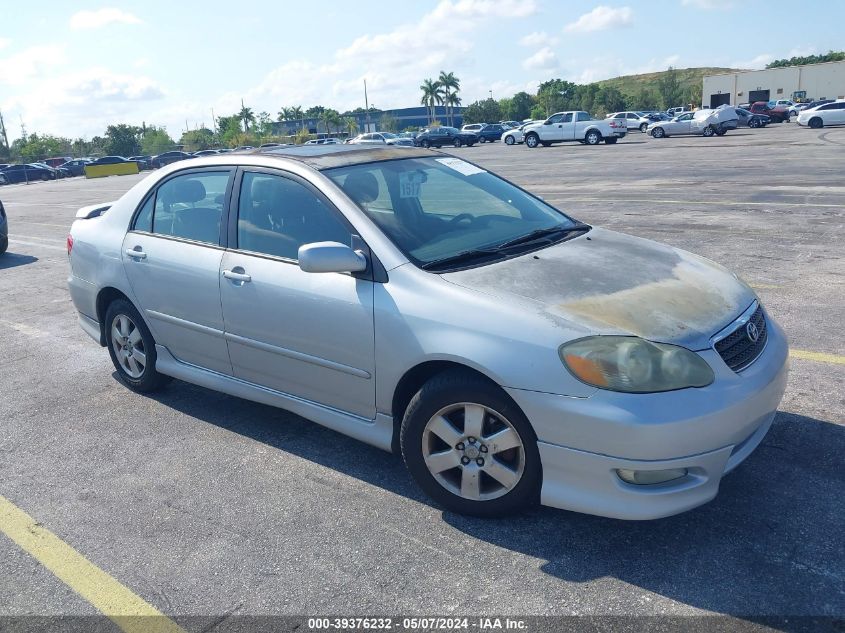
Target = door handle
(135,254)
(235,276)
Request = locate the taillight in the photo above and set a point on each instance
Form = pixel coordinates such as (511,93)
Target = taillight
(69,244)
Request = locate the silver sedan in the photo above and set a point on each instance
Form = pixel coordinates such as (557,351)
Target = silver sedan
(417,302)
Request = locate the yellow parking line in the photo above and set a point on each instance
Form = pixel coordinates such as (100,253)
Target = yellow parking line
(127,610)
(819,357)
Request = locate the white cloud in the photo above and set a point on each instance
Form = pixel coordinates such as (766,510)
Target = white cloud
(802,51)
(393,63)
(101,17)
(756,63)
(29,63)
(709,4)
(4,42)
(600,19)
(544,59)
(538,38)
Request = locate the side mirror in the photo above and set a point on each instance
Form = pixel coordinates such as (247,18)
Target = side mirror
(330,257)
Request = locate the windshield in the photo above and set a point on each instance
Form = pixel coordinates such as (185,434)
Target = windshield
(437,208)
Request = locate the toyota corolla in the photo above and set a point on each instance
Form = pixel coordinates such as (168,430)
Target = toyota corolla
(419,303)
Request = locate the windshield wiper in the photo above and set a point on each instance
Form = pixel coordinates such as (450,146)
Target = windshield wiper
(540,233)
(462,257)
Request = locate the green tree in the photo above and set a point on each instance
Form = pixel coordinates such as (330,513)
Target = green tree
(669,88)
(196,140)
(263,125)
(388,122)
(830,56)
(432,95)
(34,147)
(156,140)
(331,119)
(486,111)
(538,113)
(314,112)
(520,107)
(246,116)
(229,127)
(351,125)
(123,140)
(450,85)
(608,99)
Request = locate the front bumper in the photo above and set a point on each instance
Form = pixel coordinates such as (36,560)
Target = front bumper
(707,431)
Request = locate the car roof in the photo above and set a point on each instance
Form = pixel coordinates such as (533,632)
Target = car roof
(339,155)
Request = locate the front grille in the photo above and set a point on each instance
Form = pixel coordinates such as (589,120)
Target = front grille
(737,349)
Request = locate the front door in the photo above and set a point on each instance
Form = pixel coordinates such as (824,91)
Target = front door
(309,335)
(172,259)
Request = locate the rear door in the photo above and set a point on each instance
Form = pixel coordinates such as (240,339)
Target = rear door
(309,335)
(172,258)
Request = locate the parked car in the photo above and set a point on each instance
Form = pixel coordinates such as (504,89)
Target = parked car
(673,112)
(798,107)
(57,172)
(746,118)
(780,103)
(4,229)
(28,173)
(56,161)
(825,114)
(574,126)
(491,133)
(110,160)
(778,115)
(511,124)
(440,136)
(323,141)
(382,138)
(3,180)
(214,152)
(509,351)
(633,120)
(76,167)
(515,135)
(701,122)
(263,145)
(473,127)
(144,162)
(168,158)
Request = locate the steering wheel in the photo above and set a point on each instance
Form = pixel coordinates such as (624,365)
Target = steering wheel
(461,217)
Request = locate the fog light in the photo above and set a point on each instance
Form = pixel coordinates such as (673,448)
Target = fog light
(648,477)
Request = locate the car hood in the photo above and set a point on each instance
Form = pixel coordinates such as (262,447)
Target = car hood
(611,283)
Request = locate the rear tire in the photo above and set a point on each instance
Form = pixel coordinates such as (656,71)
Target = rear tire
(482,140)
(643,127)
(425,144)
(457,142)
(132,348)
(816,123)
(593,137)
(447,440)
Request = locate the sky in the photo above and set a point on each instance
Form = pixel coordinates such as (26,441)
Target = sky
(70,69)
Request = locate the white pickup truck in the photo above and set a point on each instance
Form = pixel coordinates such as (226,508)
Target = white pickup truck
(574,126)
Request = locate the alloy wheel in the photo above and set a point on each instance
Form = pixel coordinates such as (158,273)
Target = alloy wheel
(473,451)
(128,346)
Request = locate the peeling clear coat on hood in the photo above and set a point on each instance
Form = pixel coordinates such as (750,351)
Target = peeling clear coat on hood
(618,284)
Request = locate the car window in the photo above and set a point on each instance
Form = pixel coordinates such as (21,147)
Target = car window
(556,118)
(190,206)
(434,208)
(583,116)
(277,215)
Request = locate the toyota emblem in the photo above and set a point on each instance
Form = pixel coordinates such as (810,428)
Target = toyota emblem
(752,332)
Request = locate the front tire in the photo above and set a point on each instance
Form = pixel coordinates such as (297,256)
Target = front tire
(470,447)
(132,348)
(816,123)
(457,142)
(754,123)
(643,127)
(709,131)
(658,132)
(482,140)
(509,140)
(425,144)
(532,140)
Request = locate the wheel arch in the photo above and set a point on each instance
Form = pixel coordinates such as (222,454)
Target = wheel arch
(413,380)
(105,298)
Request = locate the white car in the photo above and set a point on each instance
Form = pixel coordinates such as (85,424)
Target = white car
(827,114)
(575,125)
(701,122)
(516,135)
(382,138)
(473,127)
(323,141)
(633,119)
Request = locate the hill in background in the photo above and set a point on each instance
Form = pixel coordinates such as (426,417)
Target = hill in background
(689,79)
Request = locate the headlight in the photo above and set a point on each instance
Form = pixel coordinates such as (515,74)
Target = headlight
(634,365)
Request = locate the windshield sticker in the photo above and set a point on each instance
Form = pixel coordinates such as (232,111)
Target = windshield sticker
(409,184)
(461,166)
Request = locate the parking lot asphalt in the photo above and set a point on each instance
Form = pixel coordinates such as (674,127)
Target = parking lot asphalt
(203,504)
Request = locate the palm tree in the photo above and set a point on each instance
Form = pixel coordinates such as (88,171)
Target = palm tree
(351,124)
(285,114)
(451,85)
(452,101)
(432,94)
(246,116)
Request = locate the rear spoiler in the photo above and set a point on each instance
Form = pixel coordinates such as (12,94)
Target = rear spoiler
(93,210)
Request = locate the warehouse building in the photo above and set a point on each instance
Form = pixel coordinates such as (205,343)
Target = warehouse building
(813,81)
